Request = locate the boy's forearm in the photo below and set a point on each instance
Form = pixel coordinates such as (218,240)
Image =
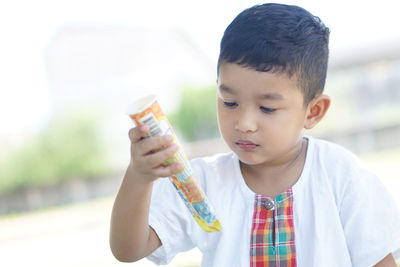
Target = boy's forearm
(129,233)
(388,261)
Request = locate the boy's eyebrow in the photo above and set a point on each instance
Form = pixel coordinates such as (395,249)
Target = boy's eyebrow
(226,89)
(271,96)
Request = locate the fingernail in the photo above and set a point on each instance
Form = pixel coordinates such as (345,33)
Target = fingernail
(178,166)
(175,147)
(144,127)
(168,138)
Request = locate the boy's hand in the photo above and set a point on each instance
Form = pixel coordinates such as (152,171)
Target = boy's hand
(147,155)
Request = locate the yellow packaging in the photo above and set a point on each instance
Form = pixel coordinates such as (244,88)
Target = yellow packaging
(147,111)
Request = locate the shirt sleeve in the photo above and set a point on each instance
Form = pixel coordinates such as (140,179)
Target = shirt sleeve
(370,219)
(171,220)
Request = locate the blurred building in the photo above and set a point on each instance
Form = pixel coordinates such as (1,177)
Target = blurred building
(365,89)
(112,65)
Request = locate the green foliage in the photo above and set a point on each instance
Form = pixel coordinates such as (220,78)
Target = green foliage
(196,117)
(69,147)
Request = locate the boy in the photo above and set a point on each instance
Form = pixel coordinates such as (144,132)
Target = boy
(283,199)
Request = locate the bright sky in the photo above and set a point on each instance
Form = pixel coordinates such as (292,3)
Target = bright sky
(26,27)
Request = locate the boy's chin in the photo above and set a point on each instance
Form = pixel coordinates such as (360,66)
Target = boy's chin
(248,160)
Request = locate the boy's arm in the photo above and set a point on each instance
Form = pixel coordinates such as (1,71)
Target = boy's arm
(388,261)
(131,237)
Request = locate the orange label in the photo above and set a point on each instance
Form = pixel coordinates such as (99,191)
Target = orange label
(154,108)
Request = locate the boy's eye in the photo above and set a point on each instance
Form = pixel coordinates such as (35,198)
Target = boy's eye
(267,110)
(230,104)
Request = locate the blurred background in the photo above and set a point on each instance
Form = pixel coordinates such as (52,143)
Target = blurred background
(68,69)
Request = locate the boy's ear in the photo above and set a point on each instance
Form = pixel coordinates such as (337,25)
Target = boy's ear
(316,110)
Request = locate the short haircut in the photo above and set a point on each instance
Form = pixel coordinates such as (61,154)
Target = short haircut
(282,39)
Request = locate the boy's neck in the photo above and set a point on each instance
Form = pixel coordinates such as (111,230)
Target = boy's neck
(273,180)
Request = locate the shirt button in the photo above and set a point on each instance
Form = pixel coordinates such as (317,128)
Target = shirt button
(269,204)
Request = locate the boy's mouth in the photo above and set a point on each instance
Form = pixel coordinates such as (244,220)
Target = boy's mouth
(246,145)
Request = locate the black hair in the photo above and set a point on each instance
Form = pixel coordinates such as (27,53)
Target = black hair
(281,39)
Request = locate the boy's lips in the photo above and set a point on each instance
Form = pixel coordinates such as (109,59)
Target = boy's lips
(246,145)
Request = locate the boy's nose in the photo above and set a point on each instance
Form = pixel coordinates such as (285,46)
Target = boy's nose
(246,124)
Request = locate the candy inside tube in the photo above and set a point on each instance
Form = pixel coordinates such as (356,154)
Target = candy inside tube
(147,111)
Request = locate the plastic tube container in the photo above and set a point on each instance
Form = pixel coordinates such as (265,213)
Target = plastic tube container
(147,111)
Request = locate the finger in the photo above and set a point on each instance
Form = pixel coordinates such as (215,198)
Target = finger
(154,143)
(166,171)
(154,160)
(138,133)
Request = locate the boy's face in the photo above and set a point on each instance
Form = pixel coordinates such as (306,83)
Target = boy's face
(260,114)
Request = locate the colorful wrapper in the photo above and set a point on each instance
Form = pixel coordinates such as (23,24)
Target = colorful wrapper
(147,111)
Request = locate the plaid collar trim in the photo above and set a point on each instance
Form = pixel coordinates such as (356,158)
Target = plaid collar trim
(272,236)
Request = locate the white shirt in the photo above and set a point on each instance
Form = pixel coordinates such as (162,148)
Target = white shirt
(343,215)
